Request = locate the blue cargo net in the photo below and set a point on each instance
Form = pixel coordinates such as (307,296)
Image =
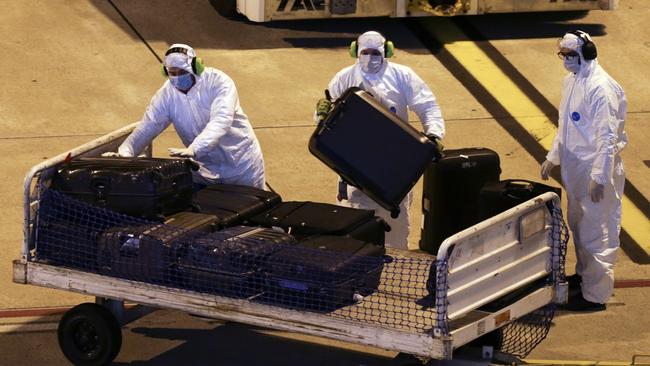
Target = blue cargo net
(243,262)
(267,266)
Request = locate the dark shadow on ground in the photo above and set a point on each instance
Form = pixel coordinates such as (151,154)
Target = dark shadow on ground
(200,24)
(237,344)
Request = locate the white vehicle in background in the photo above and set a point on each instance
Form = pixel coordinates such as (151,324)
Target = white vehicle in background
(269,10)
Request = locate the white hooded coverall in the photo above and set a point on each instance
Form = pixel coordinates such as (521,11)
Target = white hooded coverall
(590,137)
(209,120)
(396,87)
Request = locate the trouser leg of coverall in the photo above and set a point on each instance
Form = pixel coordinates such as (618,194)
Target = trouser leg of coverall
(253,177)
(596,227)
(397,237)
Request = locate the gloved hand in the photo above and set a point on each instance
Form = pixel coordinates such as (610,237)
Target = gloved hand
(547,166)
(596,191)
(111,154)
(181,153)
(439,146)
(323,108)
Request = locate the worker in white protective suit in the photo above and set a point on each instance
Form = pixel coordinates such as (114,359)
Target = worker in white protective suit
(203,105)
(587,147)
(397,87)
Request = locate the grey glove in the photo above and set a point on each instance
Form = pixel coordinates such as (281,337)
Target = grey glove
(323,108)
(181,153)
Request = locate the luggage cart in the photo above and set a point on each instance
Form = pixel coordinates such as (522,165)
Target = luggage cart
(476,273)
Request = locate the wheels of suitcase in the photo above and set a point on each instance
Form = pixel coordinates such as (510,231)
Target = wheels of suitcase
(89,335)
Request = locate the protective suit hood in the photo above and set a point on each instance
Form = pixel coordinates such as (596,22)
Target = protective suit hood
(574,43)
(179,59)
(371,66)
(371,40)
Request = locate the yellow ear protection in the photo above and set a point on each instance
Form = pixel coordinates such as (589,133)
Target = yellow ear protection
(197,63)
(389,49)
(589,51)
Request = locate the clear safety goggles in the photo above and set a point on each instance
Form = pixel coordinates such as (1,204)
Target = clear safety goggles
(563,55)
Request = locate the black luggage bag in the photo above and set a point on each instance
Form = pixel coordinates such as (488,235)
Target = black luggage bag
(323,272)
(228,262)
(148,253)
(302,219)
(233,204)
(371,148)
(68,229)
(497,197)
(144,187)
(452,186)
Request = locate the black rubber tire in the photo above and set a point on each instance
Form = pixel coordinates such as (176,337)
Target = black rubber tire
(89,335)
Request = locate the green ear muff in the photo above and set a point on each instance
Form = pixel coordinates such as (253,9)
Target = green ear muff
(163,70)
(197,65)
(389,49)
(353,49)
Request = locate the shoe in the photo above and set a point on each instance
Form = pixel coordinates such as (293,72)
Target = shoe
(579,303)
(574,281)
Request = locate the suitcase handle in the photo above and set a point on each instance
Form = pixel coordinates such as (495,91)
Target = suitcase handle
(100,186)
(519,186)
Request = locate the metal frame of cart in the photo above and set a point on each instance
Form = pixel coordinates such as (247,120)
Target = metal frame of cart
(474,267)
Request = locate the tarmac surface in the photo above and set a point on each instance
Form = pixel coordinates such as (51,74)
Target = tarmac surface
(80,69)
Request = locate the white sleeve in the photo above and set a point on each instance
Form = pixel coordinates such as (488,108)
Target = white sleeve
(337,85)
(604,105)
(421,100)
(154,121)
(554,154)
(222,113)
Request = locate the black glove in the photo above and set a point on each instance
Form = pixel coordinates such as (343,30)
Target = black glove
(439,146)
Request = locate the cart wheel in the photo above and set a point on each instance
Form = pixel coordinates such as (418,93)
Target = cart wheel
(89,335)
(394,213)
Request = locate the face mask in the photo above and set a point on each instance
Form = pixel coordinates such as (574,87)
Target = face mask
(572,64)
(370,64)
(183,82)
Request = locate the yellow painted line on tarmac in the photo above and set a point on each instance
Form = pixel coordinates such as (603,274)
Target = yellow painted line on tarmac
(521,108)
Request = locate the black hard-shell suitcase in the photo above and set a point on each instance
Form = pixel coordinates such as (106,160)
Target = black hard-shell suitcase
(303,219)
(233,204)
(68,229)
(451,190)
(228,261)
(144,187)
(497,197)
(323,272)
(371,148)
(147,253)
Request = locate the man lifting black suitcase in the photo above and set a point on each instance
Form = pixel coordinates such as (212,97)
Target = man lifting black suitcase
(395,88)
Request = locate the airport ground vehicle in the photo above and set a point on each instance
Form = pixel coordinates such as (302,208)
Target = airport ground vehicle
(493,275)
(269,10)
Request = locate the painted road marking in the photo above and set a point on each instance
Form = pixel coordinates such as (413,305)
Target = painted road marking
(522,109)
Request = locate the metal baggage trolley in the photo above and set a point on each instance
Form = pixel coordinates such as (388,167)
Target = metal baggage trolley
(491,277)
